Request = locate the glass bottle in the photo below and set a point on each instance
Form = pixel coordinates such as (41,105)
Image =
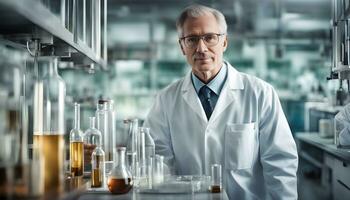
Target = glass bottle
(92,137)
(14,163)
(120,180)
(48,110)
(76,145)
(97,161)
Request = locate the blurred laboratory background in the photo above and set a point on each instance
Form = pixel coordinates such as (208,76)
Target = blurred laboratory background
(126,51)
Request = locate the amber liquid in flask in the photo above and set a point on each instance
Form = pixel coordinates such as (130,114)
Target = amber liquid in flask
(51,148)
(77,160)
(119,185)
(119,180)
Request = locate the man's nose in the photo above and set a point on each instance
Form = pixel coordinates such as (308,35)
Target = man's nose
(201,47)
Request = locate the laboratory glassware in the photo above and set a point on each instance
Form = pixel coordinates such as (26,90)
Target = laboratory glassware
(101,119)
(110,141)
(146,152)
(48,110)
(97,162)
(216,181)
(131,147)
(14,163)
(122,132)
(105,123)
(92,137)
(76,145)
(158,170)
(120,180)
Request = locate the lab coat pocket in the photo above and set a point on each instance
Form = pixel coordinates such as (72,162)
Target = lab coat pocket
(239,146)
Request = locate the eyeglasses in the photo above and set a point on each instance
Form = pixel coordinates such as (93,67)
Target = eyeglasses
(210,39)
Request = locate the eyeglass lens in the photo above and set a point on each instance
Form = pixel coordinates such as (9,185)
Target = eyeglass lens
(209,40)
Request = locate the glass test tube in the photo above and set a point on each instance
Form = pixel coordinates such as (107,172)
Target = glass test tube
(216,183)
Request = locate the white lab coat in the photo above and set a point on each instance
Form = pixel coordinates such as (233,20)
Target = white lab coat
(247,134)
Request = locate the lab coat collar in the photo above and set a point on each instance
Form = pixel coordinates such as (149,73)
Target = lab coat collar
(233,82)
(190,96)
(234,79)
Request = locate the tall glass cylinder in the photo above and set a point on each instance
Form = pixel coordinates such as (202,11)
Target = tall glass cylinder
(110,141)
(131,147)
(48,110)
(102,122)
(145,154)
(76,145)
(106,124)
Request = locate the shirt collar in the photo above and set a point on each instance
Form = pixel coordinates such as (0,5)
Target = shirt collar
(215,85)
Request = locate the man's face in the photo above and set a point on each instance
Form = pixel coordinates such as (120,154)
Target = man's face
(202,58)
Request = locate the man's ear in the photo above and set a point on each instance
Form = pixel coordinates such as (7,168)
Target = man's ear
(182,49)
(225,43)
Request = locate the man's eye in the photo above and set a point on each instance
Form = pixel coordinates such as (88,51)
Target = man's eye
(192,39)
(209,38)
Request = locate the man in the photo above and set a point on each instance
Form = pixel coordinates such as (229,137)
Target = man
(342,124)
(217,115)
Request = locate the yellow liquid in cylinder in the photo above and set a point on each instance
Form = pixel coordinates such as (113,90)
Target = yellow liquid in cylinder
(96,178)
(76,158)
(97,175)
(50,148)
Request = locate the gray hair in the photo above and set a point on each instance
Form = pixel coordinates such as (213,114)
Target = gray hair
(197,11)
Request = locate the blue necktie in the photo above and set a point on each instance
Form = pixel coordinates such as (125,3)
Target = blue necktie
(204,95)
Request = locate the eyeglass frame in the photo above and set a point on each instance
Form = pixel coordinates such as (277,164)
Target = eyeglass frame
(201,37)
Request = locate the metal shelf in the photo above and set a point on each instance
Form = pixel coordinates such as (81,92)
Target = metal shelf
(21,18)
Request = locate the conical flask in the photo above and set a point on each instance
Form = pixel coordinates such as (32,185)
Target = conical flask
(120,180)
(48,110)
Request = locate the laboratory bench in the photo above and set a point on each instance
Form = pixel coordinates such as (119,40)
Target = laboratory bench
(133,195)
(80,190)
(333,162)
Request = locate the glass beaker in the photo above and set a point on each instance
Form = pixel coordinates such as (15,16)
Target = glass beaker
(48,110)
(120,180)
(158,170)
(92,138)
(76,145)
